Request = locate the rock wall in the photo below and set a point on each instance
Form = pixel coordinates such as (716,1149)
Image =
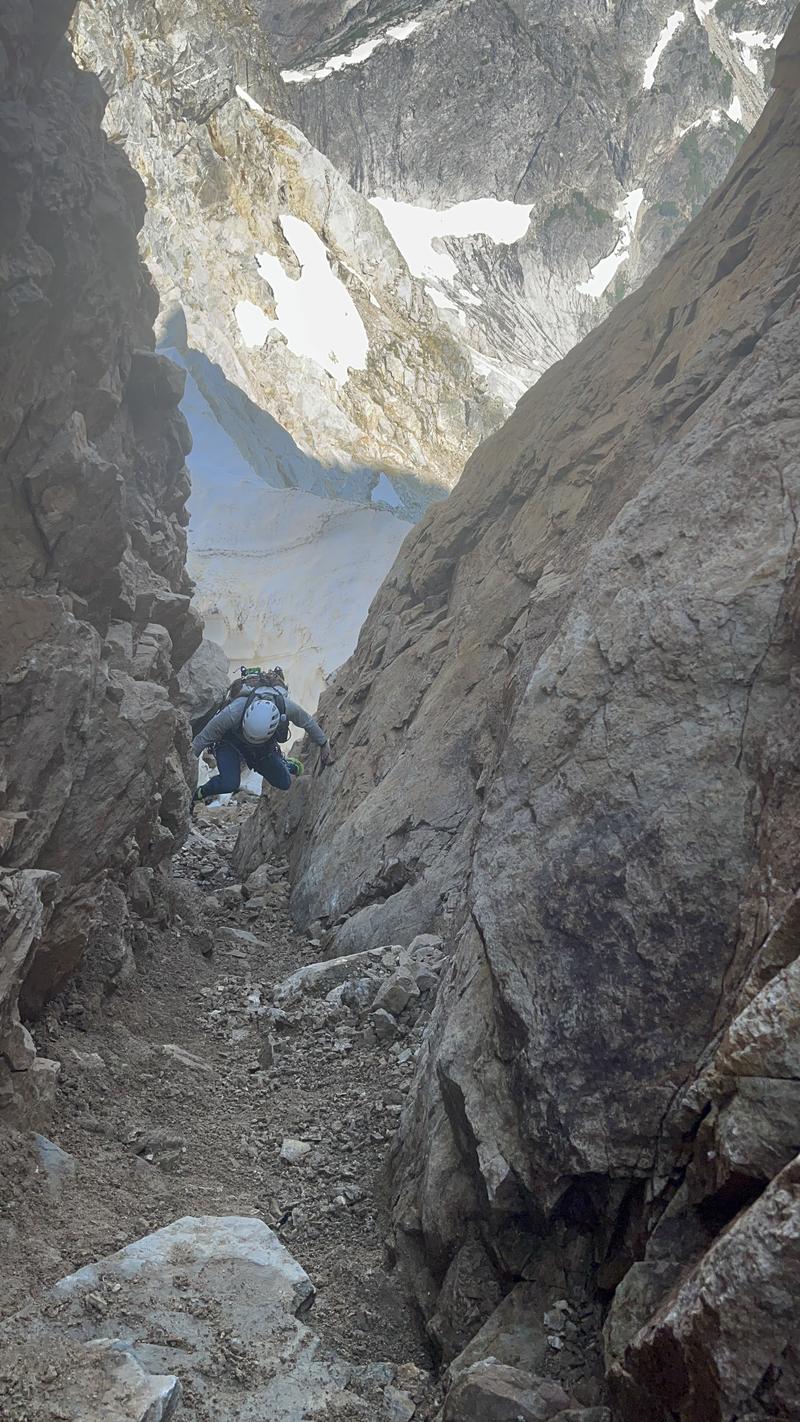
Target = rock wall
(568,739)
(94,598)
(611,123)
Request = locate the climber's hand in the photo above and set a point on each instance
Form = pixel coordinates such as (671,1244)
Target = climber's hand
(209,758)
(326,756)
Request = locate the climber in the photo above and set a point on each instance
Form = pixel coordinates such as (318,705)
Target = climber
(249,729)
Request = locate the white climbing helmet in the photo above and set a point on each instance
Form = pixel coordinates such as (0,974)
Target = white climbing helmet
(260,720)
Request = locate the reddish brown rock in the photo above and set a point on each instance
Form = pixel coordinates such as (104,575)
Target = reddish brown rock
(724,1345)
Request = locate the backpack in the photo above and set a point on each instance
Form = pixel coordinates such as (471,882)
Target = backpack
(254,681)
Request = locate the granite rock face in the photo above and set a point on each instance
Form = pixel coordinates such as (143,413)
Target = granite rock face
(568,736)
(95,616)
(612,124)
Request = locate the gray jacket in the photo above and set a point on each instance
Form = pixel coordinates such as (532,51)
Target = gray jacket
(229,720)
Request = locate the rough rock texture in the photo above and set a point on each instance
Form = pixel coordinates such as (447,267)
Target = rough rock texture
(490,1392)
(203,678)
(94,598)
(724,1345)
(569,731)
(222,170)
(537,103)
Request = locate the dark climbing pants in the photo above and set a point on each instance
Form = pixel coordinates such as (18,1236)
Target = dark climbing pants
(270,764)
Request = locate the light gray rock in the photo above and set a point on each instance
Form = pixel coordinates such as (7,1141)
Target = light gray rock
(396,994)
(97,1381)
(185,1058)
(204,679)
(59,1167)
(232,1330)
(400,1407)
(294,1151)
(317,979)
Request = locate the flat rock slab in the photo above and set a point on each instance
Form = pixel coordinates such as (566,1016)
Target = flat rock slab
(212,1302)
(46,1376)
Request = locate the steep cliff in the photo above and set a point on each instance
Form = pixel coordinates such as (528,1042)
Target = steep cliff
(568,739)
(95,614)
(606,125)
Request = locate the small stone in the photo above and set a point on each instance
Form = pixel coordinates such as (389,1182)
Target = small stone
(427,981)
(425,943)
(409,1378)
(59,1167)
(184,1058)
(384,1025)
(293,1151)
(399,1406)
(396,994)
(87,1061)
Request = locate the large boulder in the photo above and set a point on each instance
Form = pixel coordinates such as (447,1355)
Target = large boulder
(204,679)
(214,1306)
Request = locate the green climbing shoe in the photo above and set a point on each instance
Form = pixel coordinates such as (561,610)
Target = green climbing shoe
(296,767)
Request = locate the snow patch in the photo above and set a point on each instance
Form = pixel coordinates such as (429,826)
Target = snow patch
(315,311)
(750,40)
(385,493)
(500,381)
(603,272)
(253,323)
(734,111)
(713,117)
(673,24)
(439,299)
(247,99)
(401,32)
(415,229)
(393,35)
(703,8)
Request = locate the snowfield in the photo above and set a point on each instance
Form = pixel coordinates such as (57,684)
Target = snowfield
(415,229)
(283,576)
(393,35)
(314,312)
(604,271)
(671,27)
